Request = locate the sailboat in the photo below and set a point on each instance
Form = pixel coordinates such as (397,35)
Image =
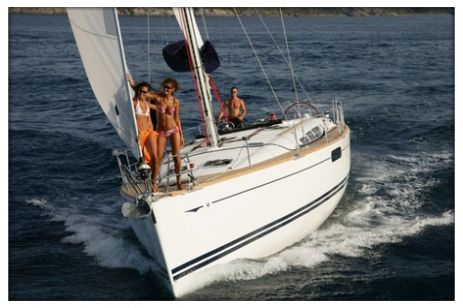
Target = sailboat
(250,192)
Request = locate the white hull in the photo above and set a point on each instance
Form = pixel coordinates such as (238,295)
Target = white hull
(252,215)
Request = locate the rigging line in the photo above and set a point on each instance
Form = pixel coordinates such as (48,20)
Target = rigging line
(148,44)
(289,56)
(217,97)
(133,121)
(164,31)
(204,23)
(260,63)
(282,54)
(294,82)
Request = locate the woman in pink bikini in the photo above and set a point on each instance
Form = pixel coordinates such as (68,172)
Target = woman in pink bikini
(169,125)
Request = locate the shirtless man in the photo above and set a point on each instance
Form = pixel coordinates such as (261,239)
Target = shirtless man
(236,109)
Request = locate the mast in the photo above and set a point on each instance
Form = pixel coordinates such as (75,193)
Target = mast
(194,43)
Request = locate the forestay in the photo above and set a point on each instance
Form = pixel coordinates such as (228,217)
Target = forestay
(98,38)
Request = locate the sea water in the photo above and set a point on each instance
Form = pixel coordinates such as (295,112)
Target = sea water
(391,236)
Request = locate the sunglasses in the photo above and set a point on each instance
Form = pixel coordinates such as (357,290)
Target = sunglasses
(168,87)
(144,92)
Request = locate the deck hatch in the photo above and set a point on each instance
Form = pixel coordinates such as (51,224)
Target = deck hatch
(217,162)
(312,135)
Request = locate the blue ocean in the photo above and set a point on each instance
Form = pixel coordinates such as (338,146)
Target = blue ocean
(392,236)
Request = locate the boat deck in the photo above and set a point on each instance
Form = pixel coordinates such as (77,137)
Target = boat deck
(209,179)
(332,136)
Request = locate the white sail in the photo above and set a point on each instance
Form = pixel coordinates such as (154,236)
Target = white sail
(180,16)
(97,34)
(187,22)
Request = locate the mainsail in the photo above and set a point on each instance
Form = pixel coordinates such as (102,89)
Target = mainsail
(98,38)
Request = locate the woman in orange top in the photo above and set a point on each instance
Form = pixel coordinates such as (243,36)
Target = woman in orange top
(146,134)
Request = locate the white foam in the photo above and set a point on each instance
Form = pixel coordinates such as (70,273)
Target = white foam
(101,233)
(338,239)
(386,210)
(40,202)
(107,246)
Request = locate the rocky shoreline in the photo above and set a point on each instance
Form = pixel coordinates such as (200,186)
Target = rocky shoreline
(224,12)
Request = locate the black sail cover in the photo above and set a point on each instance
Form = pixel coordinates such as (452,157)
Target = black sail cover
(175,55)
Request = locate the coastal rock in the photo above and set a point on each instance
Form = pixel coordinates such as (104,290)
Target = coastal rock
(267,11)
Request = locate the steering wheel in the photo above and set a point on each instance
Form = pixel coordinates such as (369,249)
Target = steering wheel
(313,109)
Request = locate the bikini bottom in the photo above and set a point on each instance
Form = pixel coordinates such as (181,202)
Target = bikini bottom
(168,133)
